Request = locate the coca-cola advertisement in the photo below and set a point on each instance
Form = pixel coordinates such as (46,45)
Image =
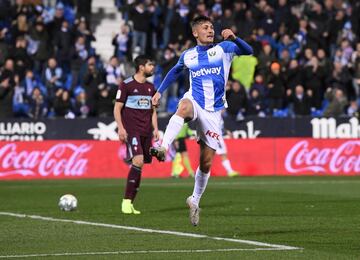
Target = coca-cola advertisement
(69,159)
(105,159)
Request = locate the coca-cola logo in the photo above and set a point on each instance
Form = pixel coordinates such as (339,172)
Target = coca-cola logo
(62,159)
(342,159)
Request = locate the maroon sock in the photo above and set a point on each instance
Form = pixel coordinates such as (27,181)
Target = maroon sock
(133,182)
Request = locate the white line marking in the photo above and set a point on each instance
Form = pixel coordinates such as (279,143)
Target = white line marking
(167,232)
(145,252)
(247,183)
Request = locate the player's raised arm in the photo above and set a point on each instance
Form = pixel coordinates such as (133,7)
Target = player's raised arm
(240,47)
(170,77)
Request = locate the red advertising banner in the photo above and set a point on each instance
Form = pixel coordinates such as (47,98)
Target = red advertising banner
(103,159)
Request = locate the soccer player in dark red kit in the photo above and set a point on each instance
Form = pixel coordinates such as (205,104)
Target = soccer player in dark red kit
(137,123)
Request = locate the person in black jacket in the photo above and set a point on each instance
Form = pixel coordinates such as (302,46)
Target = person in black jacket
(237,100)
(276,85)
(300,100)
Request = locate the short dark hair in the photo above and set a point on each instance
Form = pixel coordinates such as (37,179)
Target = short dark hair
(141,60)
(199,20)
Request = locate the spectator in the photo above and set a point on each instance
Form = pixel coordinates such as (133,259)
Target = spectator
(355,64)
(30,82)
(22,60)
(37,104)
(93,77)
(63,43)
(6,97)
(83,30)
(300,100)
(337,102)
(42,49)
(84,10)
(81,108)
(20,27)
(62,104)
(105,104)
(115,73)
(353,109)
(237,100)
(79,55)
(313,80)
(276,86)
(265,58)
(120,42)
(256,105)
(294,75)
(54,78)
(139,14)
(4,47)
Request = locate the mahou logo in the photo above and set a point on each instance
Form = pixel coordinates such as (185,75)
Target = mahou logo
(342,159)
(62,159)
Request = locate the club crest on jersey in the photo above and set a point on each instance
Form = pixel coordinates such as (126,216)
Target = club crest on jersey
(212,53)
(143,102)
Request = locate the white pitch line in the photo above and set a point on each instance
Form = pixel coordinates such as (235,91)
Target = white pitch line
(144,252)
(248,183)
(148,230)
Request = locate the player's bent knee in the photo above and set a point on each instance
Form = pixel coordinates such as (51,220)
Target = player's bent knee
(185,109)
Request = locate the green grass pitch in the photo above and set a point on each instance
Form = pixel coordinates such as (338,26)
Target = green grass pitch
(318,215)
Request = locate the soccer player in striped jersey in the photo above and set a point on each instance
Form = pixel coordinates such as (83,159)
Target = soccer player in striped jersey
(209,66)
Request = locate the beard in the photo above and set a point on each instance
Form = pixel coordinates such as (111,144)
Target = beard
(148,74)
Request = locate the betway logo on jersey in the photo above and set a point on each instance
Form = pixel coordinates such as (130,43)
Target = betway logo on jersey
(205,71)
(327,128)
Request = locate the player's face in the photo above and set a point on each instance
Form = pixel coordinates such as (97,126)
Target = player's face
(204,33)
(149,69)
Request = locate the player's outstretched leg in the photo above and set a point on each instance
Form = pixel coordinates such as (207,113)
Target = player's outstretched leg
(175,124)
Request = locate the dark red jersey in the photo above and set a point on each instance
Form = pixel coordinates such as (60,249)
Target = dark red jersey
(136,114)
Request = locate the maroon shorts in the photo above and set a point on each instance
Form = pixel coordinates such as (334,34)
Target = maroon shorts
(139,145)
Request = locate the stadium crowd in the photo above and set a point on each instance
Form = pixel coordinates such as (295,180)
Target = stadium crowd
(306,61)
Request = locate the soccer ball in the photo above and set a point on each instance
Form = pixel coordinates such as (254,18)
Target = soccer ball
(68,202)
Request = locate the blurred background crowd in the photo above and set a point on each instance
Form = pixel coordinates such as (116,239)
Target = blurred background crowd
(306,60)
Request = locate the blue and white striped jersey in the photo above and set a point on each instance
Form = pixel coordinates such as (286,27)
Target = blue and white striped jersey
(209,68)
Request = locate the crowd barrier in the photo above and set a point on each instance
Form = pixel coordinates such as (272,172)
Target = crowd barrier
(251,157)
(88,148)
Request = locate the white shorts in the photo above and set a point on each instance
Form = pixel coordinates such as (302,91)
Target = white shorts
(208,124)
(222,147)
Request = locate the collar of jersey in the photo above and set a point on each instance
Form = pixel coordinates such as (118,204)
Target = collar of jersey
(204,48)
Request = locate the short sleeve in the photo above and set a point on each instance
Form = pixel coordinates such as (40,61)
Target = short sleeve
(121,93)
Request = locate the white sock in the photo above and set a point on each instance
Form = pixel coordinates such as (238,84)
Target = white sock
(201,180)
(173,128)
(227,165)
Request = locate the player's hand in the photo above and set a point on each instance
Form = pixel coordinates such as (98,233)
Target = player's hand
(228,34)
(122,135)
(156,135)
(155,99)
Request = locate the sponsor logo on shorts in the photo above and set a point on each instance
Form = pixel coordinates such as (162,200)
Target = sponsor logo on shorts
(212,134)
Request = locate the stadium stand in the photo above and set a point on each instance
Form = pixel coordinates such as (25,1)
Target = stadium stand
(306,62)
